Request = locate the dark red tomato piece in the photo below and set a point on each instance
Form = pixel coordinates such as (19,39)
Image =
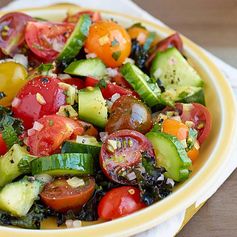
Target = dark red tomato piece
(50,132)
(173,40)
(119,202)
(128,112)
(120,81)
(201,117)
(12,32)
(61,197)
(40,96)
(46,39)
(121,153)
(3,146)
(73,18)
(79,83)
(196,113)
(110,89)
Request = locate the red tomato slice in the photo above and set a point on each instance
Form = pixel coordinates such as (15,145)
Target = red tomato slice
(46,39)
(73,18)
(79,83)
(52,132)
(173,40)
(3,146)
(30,108)
(60,196)
(12,31)
(120,81)
(119,202)
(89,129)
(199,115)
(110,88)
(121,153)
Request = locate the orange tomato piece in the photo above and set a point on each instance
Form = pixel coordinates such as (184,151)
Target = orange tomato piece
(110,42)
(175,128)
(193,154)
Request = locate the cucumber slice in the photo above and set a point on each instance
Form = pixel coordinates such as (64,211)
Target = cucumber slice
(75,41)
(173,70)
(92,106)
(9,164)
(74,147)
(171,155)
(185,94)
(141,83)
(64,164)
(92,67)
(18,197)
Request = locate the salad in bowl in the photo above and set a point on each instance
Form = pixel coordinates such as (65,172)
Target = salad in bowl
(97,121)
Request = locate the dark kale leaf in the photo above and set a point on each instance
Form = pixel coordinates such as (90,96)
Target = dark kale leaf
(139,54)
(152,184)
(10,127)
(31,221)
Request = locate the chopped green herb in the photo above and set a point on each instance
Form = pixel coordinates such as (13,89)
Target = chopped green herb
(9,135)
(151,37)
(114,42)
(45,68)
(102,83)
(116,55)
(51,122)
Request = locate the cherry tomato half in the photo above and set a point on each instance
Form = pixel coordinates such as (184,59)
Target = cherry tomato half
(12,31)
(13,77)
(121,153)
(61,197)
(110,42)
(47,39)
(196,113)
(53,131)
(80,84)
(119,202)
(73,18)
(173,40)
(40,96)
(120,81)
(128,112)
(3,146)
(110,89)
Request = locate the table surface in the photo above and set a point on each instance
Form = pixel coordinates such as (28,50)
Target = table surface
(213,25)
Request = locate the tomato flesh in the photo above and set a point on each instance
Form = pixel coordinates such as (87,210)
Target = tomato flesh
(53,132)
(121,153)
(73,18)
(30,108)
(78,83)
(61,197)
(110,42)
(119,202)
(12,31)
(128,112)
(3,146)
(46,40)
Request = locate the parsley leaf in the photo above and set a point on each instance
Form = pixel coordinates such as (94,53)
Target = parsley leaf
(102,83)
(114,42)
(116,55)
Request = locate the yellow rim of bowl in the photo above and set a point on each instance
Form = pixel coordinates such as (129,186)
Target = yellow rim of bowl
(181,199)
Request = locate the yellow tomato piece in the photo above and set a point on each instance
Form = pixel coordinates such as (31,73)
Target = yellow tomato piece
(12,78)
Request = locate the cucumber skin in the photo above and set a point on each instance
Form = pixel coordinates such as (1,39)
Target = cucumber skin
(180,172)
(73,147)
(148,91)
(197,97)
(97,68)
(18,197)
(9,164)
(64,164)
(75,41)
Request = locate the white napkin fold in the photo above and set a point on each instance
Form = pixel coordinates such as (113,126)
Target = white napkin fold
(170,227)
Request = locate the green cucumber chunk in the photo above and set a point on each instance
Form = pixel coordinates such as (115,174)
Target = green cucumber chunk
(184,94)
(141,83)
(74,147)
(171,155)
(18,197)
(92,67)
(64,164)
(9,164)
(75,41)
(92,106)
(171,68)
